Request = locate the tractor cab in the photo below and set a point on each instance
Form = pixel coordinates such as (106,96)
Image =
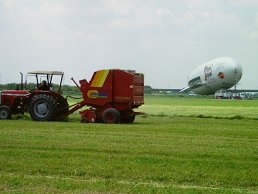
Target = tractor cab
(45,80)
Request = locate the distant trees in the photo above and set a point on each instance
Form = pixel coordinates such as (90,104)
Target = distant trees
(65,88)
(10,86)
(31,86)
(147,89)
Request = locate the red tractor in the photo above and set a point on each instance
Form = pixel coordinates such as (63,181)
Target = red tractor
(112,95)
(43,103)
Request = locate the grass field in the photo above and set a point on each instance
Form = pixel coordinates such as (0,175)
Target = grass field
(182,145)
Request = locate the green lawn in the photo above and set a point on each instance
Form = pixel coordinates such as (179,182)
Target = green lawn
(170,150)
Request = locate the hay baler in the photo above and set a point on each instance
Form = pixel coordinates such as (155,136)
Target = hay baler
(111,96)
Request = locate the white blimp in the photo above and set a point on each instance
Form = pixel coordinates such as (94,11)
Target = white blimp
(214,75)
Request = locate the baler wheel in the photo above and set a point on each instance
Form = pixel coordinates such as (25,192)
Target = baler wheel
(5,112)
(128,119)
(111,115)
(42,107)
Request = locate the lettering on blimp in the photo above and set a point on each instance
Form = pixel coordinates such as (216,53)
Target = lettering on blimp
(208,71)
(96,94)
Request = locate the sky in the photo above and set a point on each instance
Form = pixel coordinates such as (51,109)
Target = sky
(164,39)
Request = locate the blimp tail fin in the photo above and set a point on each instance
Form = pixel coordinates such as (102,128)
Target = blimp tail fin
(186,89)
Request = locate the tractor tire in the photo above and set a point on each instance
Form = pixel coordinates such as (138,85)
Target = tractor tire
(42,107)
(5,112)
(128,119)
(111,115)
(61,108)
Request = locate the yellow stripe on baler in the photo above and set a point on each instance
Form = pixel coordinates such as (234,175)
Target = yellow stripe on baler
(99,78)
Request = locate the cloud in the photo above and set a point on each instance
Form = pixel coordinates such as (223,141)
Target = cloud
(164,11)
(248,3)
(252,31)
(203,5)
(114,7)
(9,3)
(253,36)
(208,26)
(53,8)
(256,19)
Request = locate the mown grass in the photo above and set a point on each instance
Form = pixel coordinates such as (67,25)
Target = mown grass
(200,107)
(157,154)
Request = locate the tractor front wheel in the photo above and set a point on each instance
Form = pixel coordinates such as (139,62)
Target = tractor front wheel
(5,112)
(42,107)
(111,115)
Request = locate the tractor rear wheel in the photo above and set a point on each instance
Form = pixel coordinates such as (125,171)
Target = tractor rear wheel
(111,115)
(42,107)
(5,112)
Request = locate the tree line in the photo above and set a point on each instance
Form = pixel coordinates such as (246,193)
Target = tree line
(31,86)
(65,88)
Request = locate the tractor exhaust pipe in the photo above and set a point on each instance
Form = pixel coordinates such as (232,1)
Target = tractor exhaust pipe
(21,80)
